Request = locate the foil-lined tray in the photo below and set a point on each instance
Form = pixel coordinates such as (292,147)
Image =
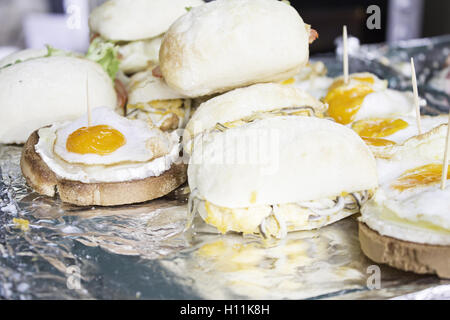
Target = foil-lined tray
(51,250)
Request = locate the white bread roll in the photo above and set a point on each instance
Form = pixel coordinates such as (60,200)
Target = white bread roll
(130,20)
(42,91)
(22,55)
(227,44)
(297,159)
(144,87)
(244,102)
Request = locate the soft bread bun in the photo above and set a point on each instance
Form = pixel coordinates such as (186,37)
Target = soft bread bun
(227,44)
(292,159)
(41,91)
(130,20)
(22,55)
(144,87)
(44,181)
(244,102)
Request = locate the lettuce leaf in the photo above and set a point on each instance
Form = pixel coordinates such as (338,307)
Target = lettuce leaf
(53,52)
(105,53)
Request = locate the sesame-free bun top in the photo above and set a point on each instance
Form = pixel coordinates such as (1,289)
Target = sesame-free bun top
(22,55)
(42,91)
(245,102)
(281,160)
(227,44)
(130,20)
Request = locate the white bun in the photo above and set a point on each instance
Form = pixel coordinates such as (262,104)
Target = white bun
(42,91)
(22,55)
(227,44)
(244,102)
(144,87)
(139,55)
(130,20)
(294,159)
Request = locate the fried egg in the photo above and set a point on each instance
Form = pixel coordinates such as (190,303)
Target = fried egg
(382,133)
(409,204)
(110,139)
(345,100)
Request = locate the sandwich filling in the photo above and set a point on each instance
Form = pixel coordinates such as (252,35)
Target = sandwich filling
(167,115)
(276,220)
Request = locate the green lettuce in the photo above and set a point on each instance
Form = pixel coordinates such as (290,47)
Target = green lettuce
(105,53)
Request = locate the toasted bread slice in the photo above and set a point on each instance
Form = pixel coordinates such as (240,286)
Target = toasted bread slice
(408,256)
(44,181)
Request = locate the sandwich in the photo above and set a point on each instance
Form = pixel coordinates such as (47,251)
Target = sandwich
(406,224)
(103,160)
(152,100)
(245,105)
(51,87)
(137,27)
(274,172)
(227,44)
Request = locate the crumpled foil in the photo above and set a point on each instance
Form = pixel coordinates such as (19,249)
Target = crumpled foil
(51,250)
(140,251)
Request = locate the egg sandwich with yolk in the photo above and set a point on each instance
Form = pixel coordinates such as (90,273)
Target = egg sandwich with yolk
(406,224)
(274,175)
(111,161)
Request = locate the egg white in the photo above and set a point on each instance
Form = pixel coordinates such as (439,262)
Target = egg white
(418,214)
(138,135)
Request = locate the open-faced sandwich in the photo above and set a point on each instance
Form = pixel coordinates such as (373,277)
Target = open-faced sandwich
(106,160)
(407,223)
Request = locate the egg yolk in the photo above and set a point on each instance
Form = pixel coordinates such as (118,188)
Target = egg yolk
(379,128)
(378,142)
(344,102)
(100,140)
(422,176)
(288,81)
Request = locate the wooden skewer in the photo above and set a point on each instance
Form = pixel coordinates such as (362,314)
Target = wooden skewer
(416,96)
(89,113)
(345,54)
(446,155)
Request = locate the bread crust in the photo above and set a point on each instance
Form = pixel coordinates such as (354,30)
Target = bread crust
(408,256)
(44,181)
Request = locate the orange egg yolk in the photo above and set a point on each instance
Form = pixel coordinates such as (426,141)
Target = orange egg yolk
(100,140)
(422,176)
(373,130)
(344,102)
(378,142)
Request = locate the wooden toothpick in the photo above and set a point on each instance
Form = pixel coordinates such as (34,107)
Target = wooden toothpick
(446,155)
(345,54)
(89,113)
(416,96)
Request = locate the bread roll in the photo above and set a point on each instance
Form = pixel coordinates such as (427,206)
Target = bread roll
(42,91)
(227,44)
